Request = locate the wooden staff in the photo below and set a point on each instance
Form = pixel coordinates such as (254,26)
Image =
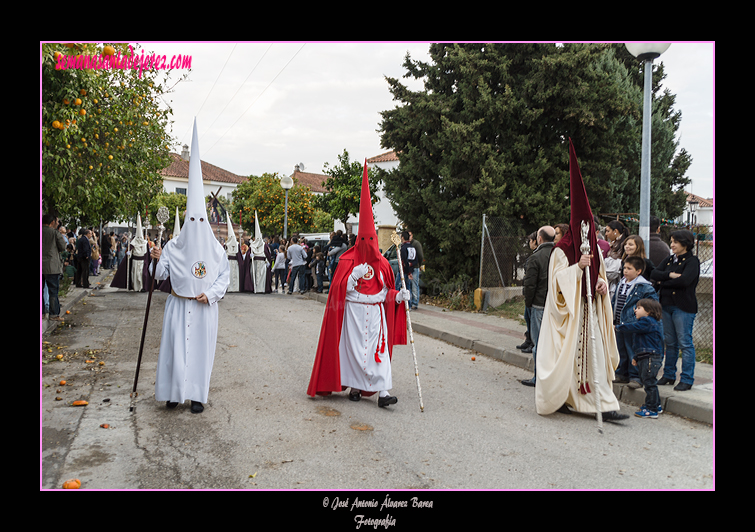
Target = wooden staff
(162,216)
(585,249)
(396,239)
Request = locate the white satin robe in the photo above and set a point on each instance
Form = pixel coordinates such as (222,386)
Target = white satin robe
(189,338)
(360,337)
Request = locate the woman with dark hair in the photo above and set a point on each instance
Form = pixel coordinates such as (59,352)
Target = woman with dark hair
(616,233)
(678,276)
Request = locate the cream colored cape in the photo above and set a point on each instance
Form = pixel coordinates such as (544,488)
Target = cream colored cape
(558,360)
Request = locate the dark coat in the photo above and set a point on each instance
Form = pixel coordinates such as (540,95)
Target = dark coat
(647,335)
(535,285)
(679,292)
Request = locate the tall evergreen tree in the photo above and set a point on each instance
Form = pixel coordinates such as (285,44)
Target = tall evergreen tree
(489,134)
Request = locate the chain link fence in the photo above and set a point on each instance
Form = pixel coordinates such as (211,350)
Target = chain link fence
(504,249)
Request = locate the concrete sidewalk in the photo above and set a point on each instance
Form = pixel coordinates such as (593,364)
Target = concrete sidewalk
(498,337)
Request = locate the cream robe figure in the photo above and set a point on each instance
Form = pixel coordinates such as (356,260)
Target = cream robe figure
(199,274)
(232,249)
(564,347)
(566,355)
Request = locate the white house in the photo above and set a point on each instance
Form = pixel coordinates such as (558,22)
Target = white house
(698,211)
(216,180)
(382,211)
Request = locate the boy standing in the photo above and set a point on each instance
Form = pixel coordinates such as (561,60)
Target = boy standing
(647,342)
(632,288)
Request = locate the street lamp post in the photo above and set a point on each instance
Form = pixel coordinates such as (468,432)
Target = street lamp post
(287,183)
(646,52)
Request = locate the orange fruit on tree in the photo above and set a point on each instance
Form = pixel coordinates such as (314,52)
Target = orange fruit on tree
(108,50)
(77,101)
(82,112)
(56,124)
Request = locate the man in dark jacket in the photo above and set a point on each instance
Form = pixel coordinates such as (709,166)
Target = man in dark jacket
(53,244)
(410,265)
(83,256)
(659,250)
(535,286)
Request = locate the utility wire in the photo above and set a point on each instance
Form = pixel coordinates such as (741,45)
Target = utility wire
(258,97)
(213,87)
(237,90)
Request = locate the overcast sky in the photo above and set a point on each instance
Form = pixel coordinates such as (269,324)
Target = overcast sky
(264,107)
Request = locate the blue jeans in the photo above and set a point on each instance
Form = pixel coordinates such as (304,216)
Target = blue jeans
(414,301)
(412,285)
(677,329)
(536,319)
(52,283)
(298,271)
(625,369)
(648,368)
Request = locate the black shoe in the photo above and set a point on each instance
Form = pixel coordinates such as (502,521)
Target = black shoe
(682,387)
(621,380)
(355,395)
(614,416)
(196,407)
(525,345)
(387,400)
(527,350)
(665,380)
(170,405)
(528,382)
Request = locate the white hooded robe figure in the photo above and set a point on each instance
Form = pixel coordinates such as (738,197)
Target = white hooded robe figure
(199,274)
(260,264)
(232,249)
(138,250)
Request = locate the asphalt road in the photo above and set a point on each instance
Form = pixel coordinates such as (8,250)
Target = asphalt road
(479,429)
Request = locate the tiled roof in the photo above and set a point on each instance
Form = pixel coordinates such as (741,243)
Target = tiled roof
(385,157)
(702,202)
(180,168)
(313,181)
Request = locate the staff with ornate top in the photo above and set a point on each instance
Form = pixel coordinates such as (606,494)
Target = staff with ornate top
(162,217)
(585,249)
(396,239)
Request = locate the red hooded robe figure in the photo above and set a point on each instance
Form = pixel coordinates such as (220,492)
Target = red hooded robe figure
(363,319)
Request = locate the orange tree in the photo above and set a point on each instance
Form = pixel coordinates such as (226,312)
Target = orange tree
(103,134)
(265,195)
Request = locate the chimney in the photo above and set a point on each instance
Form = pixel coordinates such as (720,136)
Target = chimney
(296,168)
(185,153)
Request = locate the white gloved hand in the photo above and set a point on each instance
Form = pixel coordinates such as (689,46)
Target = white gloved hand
(403,295)
(359,271)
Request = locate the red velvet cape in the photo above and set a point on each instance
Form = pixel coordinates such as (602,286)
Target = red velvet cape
(326,371)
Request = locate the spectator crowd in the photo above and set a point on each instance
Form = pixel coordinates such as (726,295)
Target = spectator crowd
(652,290)
(653,297)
